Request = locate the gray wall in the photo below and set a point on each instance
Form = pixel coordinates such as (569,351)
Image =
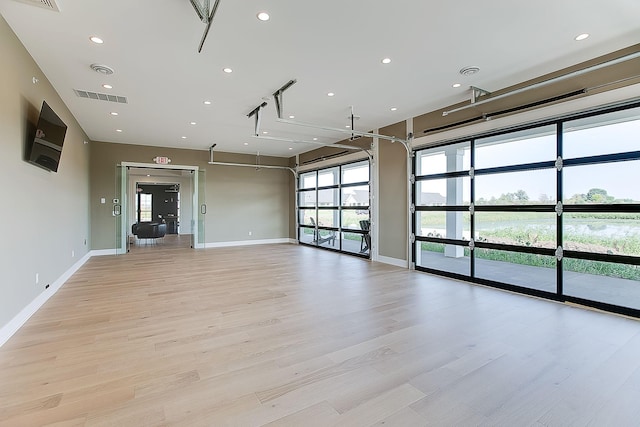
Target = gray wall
(239,200)
(44,215)
(392,208)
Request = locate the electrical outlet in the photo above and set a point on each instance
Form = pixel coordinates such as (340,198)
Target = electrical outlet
(73,253)
(46,286)
(37,278)
(250,233)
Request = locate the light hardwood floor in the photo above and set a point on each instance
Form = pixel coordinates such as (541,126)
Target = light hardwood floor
(295,336)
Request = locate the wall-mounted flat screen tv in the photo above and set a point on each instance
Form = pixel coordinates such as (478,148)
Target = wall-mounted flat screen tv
(47,144)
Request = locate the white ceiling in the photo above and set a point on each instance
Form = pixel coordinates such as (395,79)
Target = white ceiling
(327,46)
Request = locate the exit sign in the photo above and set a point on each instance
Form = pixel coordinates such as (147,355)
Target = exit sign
(162,160)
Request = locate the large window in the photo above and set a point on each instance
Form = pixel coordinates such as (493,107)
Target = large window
(145,203)
(551,210)
(333,208)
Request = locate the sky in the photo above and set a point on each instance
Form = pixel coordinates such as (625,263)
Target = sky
(616,178)
(351,173)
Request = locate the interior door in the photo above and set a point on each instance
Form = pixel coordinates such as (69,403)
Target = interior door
(119,210)
(202,204)
(199,209)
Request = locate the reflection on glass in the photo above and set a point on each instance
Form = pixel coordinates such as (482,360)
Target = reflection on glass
(516,188)
(441,192)
(602,232)
(355,172)
(328,197)
(535,229)
(328,217)
(453,158)
(608,282)
(307,198)
(307,180)
(611,133)
(355,196)
(356,243)
(601,184)
(515,268)
(448,258)
(328,177)
(443,225)
(516,148)
(353,219)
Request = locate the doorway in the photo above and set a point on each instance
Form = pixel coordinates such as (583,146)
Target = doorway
(169,195)
(160,203)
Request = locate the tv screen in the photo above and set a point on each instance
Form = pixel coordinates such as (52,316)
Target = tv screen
(47,144)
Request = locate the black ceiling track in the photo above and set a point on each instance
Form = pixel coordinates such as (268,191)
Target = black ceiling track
(327,157)
(489,116)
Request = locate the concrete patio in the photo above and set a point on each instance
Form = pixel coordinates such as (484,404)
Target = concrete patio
(610,290)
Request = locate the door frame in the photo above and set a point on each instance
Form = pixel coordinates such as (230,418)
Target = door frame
(124,187)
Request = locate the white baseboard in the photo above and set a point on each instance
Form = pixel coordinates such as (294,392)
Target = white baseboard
(101,252)
(21,318)
(392,261)
(248,243)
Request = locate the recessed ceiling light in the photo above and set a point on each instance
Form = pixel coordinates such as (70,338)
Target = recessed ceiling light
(292,116)
(456,85)
(331,94)
(582,36)
(183,137)
(246,143)
(386,61)
(265,132)
(263,16)
(106,86)
(227,70)
(192,123)
(290,148)
(118,130)
(394,109)
(148,175)
(347,126)
(207,102)
(315,139)
(96,39)
(113,113)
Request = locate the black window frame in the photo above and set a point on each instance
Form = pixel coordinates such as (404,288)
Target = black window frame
(559,294)
(339,208)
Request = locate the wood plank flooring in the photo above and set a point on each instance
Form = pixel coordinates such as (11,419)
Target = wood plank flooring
(284,335)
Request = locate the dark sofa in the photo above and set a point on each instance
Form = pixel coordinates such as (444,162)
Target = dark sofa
(149,230)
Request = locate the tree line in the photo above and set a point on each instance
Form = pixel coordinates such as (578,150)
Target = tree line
(593,196)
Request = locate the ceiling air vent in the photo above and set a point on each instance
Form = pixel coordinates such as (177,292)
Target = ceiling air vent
(100,96)
(469,71)
(102,69)
(45,4)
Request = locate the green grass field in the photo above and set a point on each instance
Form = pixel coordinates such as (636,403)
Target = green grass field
(538,230)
